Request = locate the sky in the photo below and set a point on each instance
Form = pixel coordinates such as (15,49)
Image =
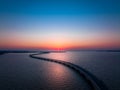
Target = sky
(59,24)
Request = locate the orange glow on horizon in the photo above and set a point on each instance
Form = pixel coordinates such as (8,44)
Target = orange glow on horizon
(59,46)
(57,43)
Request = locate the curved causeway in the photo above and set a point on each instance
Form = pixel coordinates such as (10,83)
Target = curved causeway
(90,79)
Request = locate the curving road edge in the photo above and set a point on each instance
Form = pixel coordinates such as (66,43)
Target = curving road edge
(95,83)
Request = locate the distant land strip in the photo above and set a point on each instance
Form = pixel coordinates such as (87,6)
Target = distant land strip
(94,82)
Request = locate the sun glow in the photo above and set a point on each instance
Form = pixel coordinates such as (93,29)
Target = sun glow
(57,45)
(58,41)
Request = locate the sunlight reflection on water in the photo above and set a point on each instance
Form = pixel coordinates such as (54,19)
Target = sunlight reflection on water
(60,56)
(104,65)
(19,71)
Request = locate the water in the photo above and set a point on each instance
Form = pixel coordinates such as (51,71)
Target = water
(104,65)
(20,72)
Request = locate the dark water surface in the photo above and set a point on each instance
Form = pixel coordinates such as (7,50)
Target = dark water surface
(20,72)
(104,65)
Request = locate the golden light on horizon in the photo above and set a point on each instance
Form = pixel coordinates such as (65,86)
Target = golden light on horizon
(58,41)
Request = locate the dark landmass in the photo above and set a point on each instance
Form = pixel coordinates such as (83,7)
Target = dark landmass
(1,53)
(47,51)
(53,51)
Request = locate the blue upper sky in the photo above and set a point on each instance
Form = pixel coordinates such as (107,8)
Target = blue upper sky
(63,7)
(80,20)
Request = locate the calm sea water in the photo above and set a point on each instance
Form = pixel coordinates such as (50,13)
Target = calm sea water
(20,72)
(104,65)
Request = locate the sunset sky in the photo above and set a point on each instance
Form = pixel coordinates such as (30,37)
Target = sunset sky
(59,24)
